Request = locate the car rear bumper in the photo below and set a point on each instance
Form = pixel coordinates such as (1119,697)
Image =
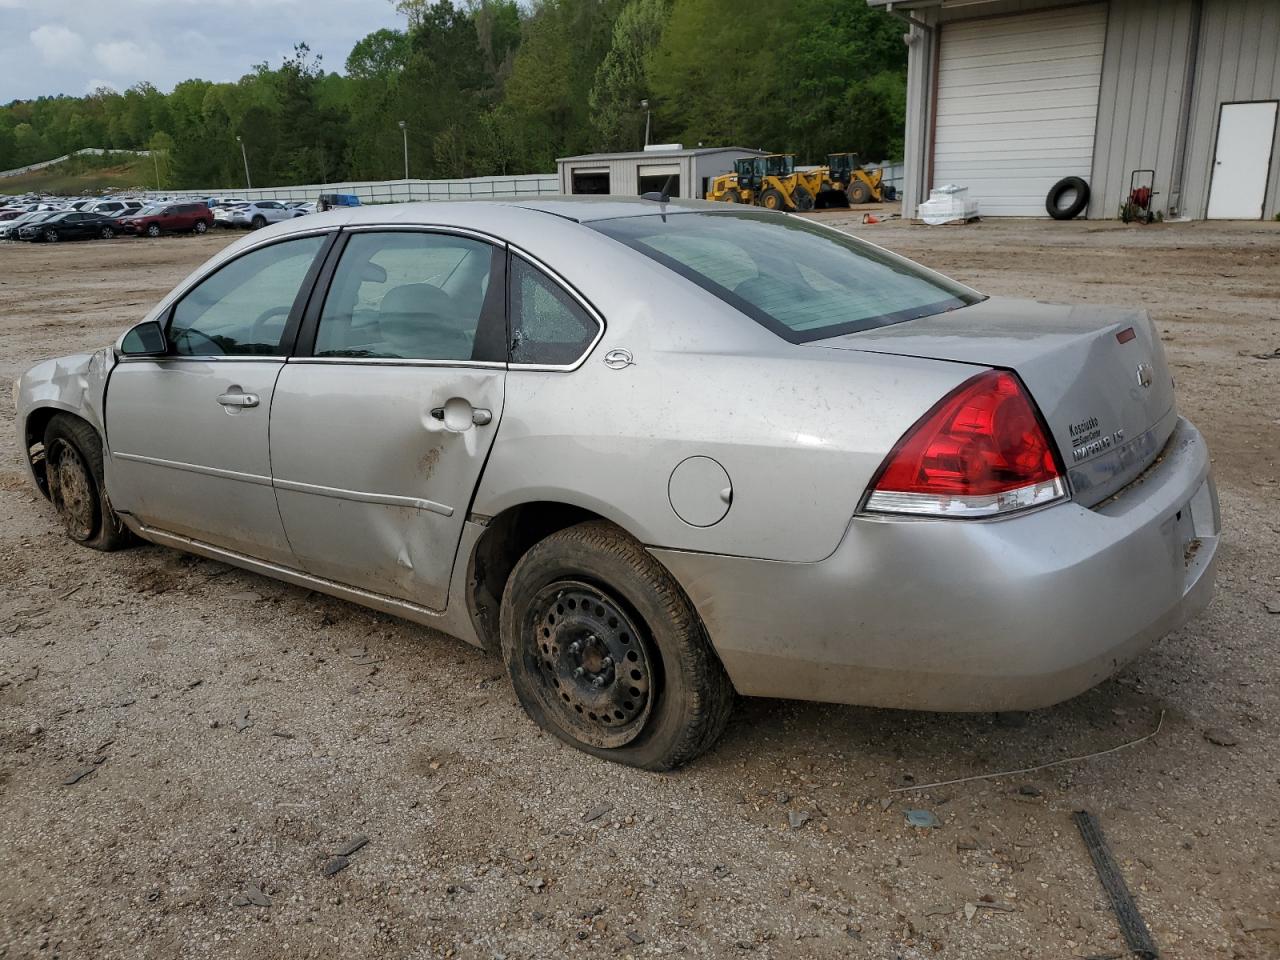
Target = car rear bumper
(955,615)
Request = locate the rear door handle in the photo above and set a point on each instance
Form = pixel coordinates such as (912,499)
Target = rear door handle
(238,399)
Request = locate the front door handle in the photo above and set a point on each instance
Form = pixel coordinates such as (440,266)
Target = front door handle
(238,399)
(459,409)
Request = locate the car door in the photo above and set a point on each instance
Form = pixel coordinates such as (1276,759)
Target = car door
(79,225)
(188,432)
(275,211)
(381,424)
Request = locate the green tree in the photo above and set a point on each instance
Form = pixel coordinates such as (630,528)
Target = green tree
(622,79)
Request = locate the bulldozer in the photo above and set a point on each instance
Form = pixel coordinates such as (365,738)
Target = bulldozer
(845,183)
(771,181)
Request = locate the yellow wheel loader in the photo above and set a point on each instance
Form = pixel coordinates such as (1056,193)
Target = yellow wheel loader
(771,182)
(845,183)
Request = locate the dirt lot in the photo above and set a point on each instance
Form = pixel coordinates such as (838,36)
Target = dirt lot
(488,839)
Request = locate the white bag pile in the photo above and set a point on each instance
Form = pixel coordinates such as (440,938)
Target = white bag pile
(947,204)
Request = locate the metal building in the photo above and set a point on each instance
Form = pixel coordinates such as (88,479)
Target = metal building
(1009,96)
(669,167)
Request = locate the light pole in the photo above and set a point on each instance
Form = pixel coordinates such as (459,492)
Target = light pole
(244,156)
(644,104)
(404,132)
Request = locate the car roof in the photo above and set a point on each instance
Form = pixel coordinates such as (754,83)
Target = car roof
(513,210)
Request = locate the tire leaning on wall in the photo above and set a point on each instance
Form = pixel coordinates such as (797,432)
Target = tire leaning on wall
(1053,201)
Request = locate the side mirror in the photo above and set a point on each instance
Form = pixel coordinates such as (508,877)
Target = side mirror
(147,339)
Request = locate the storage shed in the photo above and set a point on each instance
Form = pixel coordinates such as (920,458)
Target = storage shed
(683,173)
(1007,97)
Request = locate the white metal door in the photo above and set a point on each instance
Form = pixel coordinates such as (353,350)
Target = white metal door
(1242,160)
(1017,105)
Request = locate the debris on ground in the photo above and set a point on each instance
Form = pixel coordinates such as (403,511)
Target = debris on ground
(798,818)
(1220,737)
(77,775)
(1134,928)
(1038,767)
(242,721)
(922,818)
(335,865)
(596,812)
(352,845)
(252,897)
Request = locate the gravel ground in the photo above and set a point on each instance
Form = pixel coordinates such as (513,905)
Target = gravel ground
(234,733)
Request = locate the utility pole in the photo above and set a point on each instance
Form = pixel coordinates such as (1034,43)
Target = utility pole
(244,156)
(644,104)
(404,132)
(157,165)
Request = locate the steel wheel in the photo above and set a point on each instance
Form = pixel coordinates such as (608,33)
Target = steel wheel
(591,660)
(72,491)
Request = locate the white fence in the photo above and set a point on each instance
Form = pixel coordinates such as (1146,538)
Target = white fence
(392,191)
(95,151)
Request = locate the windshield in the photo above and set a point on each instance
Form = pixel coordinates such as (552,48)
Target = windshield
(802,281)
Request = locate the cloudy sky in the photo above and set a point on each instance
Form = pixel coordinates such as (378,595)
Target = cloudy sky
(72,46)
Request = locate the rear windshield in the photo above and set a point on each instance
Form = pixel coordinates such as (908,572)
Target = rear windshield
(802,281)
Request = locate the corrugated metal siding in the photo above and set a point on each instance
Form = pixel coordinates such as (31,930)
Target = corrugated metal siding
(1140,103)
(1239,59)
(1017,104)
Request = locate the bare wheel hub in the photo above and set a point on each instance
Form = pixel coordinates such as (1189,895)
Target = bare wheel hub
(592,662)
(72,490)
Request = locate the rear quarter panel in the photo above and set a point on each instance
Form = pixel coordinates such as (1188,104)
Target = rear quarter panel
(800,432)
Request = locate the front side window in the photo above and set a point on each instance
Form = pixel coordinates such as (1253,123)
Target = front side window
(242,309)
(802,281)
(409,296)
(547,325)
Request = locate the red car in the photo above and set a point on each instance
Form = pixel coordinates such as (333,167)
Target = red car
(171,218)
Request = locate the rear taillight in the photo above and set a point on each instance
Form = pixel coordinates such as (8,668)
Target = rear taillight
(982,451)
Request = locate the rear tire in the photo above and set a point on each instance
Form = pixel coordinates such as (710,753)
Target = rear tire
(200,226)
(606,652)
(73,470)
(859,192)
(259,222)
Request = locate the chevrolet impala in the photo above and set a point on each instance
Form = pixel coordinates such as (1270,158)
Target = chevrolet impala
(653,454)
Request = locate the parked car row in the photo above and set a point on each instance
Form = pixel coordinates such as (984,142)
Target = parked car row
(49,220)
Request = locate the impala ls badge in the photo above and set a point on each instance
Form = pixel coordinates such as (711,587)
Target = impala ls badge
(618,359)
(1145,374)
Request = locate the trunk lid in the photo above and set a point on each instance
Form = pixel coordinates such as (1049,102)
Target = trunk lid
(1098,375)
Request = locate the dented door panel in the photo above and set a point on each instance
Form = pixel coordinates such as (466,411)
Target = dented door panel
(374,466)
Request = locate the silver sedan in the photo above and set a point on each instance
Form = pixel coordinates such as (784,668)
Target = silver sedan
(653,454)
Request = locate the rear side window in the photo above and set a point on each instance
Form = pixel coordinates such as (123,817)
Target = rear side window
(802,281)
(547,325)
(242,309)
(405,295)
